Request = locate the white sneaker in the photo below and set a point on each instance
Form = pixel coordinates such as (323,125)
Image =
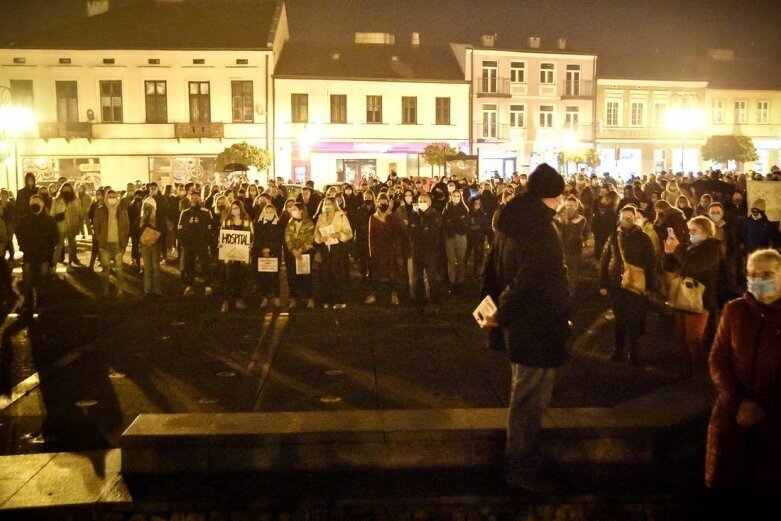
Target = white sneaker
(310,304)
(394,299)
(240,305)
(264,303)
(371,299)
(188,291)
(327,306)
(292,304)
(340,306)
(208,291)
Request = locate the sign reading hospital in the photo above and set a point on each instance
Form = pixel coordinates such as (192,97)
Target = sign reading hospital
(234,245)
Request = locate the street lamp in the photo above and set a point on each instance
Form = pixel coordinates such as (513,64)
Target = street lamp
(684,119)
(13,122)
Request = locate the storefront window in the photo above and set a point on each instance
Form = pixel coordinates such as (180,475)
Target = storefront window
(183,170)
(357,170)
(77,170)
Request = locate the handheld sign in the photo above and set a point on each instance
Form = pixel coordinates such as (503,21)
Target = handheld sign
(303,265)
(234,245)
(268,264)
(486,308)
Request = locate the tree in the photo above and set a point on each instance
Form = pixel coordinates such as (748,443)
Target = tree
(435,153)
(583,156)
(723,149)
(244,153)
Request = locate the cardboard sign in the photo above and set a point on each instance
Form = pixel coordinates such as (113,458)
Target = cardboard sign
(268,264)
(770,192)
(235,245)
(486,308)
(303,265)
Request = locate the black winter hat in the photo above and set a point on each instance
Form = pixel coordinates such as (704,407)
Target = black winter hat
(545,182)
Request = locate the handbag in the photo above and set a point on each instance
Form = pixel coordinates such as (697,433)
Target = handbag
(633,277)
(686,295)
(149,236)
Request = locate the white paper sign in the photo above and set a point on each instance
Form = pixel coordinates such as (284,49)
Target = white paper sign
(326,231)
(268,264)
(234,245)
(486,308)
(303,265)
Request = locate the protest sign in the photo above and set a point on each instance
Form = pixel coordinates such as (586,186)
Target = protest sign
(268,264)
(234,245)
(303,265)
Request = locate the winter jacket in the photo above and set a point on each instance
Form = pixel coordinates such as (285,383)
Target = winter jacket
(526,277)
(300,235)
(67,215)
(700,262)
(638,251)
(674,219)
(268,234)
(758,234)
(455,220)
(23,196)
(424,230)
(572,234)
(100,224)
(360,222)
(745,363)
(478,225)
(340,224)
(385,244)
(195,227)
(37,236)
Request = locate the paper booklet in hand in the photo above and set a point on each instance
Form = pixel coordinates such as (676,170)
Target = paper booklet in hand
(486,308)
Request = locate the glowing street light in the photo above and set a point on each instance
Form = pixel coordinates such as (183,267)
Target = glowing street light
(684,119)
(14,121)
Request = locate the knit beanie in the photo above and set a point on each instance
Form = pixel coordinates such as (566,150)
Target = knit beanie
(545,182)
(759,204)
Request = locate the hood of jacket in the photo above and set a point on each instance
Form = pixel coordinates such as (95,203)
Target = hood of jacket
(523,213)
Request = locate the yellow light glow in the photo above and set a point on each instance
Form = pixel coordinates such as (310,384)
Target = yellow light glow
(15,120)
(684,119)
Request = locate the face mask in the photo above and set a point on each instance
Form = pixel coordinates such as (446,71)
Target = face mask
(112,201)
(36,208)
(268,216)
(715,217)
(456,200)
(762,289)
(451,189)
(627,223)
(328,209)
(348,192)
(695,238)
(383,207)
(368,202)
(408,200)
(295,214)
(181,194)
(423,206)
(235,212)
(756,216)
(197,205)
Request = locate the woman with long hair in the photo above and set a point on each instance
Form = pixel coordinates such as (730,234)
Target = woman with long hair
(235,271)
(299,241)
(268,245)
(455,222)
(332,233)
(385,245)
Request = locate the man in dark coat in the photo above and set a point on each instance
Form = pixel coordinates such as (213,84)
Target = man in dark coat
(38,236)
(24,194)
(526,277)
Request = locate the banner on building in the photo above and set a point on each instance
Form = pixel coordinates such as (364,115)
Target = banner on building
(770,193)
(234,245)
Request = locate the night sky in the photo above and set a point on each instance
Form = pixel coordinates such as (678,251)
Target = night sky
(750,27)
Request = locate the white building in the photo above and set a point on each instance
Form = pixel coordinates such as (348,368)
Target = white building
(527,105)
(153,91)
(364,109)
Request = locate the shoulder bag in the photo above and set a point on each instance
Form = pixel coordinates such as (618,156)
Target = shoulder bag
(633,277)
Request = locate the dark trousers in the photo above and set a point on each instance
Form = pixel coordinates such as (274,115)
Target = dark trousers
(425,265)
(475,252)
(34,277)
(630,311)
(332,274)
(234,279)
(6,281)
(135,248)
(192,254)
(268,283)
(300,285)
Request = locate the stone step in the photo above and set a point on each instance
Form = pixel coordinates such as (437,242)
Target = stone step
(652,429)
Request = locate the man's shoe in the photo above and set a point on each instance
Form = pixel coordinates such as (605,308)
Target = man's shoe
(310,304)
(326,306)
(208,291)
(240,305)
(264,303)
(394,299)
(371,299)
(188,291)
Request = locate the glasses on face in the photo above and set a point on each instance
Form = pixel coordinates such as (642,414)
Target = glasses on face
(761,275)
(755,211)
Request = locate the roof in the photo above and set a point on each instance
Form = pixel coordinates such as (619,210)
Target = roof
(368,61)
(745,73)
(148,24)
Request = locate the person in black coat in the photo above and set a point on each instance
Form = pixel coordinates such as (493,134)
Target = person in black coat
(24,194)
(424,232)
(627,245)
(455,225)
(478,229)
(526,277)
(269,236)
(195,232)
(38,236)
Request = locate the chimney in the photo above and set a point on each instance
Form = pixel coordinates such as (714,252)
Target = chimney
(96,7)
(561,43)
(415,40)
(488,40)
(534,42)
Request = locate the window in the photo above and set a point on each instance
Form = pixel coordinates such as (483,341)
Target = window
(546,116)
(573,80)
(489,121)
(571,118)
(338,108)
(547,71)
(409,110)
(22,93)
(762,111)
(299,108)
(611,114)
(242,101)
(717,111)
(660,114)
(200,102)
(373,109)
(517,72)
(740,112)
(111,101)
(490,74)
(443,111)
(156,94)
(638,114)
(517,116)
(67,101)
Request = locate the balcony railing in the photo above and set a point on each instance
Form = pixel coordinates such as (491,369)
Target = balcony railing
(199,130)
(491,132)
(67,130)
(577,89)
(493,87)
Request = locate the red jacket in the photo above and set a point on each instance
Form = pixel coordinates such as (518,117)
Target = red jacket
(745,363)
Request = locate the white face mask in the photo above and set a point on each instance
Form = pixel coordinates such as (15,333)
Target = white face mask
(423,206)
(268,216)
(408,200)
(295,214)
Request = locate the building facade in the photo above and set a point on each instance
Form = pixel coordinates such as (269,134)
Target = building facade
(352,112)
(646,126)
(121,107)
(527,105)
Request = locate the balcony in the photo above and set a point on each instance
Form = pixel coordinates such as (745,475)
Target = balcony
(199,130)
(67,130)
(493,88)
(491,133)
(577,89)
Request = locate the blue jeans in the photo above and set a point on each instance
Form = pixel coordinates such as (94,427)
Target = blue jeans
(151,258)
(35,277)
(531,392)
(112,251)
